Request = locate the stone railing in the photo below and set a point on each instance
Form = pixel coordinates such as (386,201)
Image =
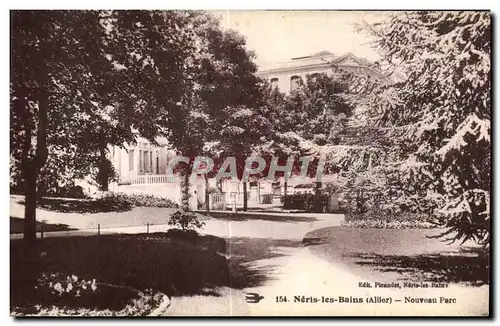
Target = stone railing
(149,179)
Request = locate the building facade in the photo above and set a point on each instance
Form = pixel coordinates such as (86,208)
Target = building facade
(143,160)
(287,76)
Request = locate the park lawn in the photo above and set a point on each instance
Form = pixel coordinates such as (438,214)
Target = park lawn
(401,255)
(169,264)
(135,216)
(17,226)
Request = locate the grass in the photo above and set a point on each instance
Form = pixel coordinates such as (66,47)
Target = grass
(136,216)
(469,266)
(17,226)
(171,265)
(400,254)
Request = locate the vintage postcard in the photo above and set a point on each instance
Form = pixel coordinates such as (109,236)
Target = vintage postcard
(250,163)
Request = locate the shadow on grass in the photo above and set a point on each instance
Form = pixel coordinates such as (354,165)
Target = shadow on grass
(470,266)
(17,226)
(250,260)
(172,265)
(67,205)
(242,216)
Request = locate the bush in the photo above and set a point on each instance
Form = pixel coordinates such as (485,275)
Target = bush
(380,219)
(115,201)
(182,234)
(306,202)
(185,222)
(106,202)
(143,200)
(67,192)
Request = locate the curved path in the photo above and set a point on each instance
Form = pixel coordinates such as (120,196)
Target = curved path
(295,272)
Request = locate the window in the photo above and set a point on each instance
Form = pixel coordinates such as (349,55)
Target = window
(314,77)
(141,163)
(131,153)
(274,83)
(150,162)
(145,161)
(157,163)
(295,82)
(360,70)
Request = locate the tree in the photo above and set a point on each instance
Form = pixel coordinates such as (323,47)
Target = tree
(41,43)
(224,101)
(307,122)
(317,111)
(37,71)
(438,117)
(139,67)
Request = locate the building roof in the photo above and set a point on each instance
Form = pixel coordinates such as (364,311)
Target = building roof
(318,54)
(319,59)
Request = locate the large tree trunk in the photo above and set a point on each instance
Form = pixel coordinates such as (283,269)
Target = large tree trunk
(30,268)
(245,197)
(103,162)
(185,193)
(30,206)
(29,187)
(185,187)
(31,166)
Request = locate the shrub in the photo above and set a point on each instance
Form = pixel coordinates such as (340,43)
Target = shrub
(107,203)
(306,202)
(115,202)
(70,191)
(376,218)
(180,234)
(141,200)
(185,222)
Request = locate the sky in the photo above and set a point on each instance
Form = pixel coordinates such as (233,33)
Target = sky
(278,36)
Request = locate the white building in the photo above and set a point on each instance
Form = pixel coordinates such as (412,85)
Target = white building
(142,162)
(286,76)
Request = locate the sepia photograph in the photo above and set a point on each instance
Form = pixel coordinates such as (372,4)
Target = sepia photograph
(250,163)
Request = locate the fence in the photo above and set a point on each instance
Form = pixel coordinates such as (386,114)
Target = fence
(223,200)
(99,229)
(218,201)
(149,179)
